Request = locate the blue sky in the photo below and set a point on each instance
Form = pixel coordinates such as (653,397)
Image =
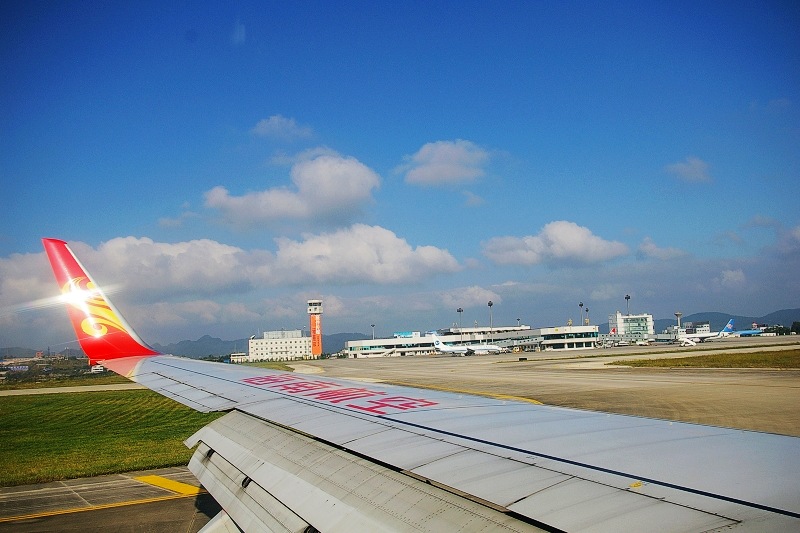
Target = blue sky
(220,165)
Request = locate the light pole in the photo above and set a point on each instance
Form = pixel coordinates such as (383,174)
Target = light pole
(628,303)
(581,319)
(373,331)
(490,320)
(460,330)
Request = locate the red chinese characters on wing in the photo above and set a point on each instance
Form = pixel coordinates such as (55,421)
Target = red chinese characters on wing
(400,403)
(363,399)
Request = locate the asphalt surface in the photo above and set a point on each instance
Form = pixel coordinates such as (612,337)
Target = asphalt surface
(132,502)
(760,400)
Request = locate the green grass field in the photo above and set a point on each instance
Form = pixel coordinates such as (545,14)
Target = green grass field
(784,359)
(50,437)
(273,365)
(107,378)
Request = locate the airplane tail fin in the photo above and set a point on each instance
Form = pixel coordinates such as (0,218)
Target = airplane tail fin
(728,328)
(101,330)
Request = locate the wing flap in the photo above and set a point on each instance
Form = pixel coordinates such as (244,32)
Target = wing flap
(577,505)
(250,506)
(330,489)
(491,478)
(404,449)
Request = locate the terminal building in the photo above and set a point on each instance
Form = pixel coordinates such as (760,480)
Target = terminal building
(629,328)
(512,338)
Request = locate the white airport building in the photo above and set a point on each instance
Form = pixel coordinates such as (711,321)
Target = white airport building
(512,338)
(283,345)
(629,328)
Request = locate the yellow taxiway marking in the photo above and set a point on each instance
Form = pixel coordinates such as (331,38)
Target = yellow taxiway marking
(170,484)
(472,392)
(181,490)
(92,507)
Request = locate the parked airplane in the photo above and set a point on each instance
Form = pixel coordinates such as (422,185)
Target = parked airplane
(298,452)
(746,332)
(464,349)
(691,339)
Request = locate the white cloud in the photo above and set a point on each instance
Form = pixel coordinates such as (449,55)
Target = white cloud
(692,170)
(789,241)
(203,284)
(326,188)
(761,221)
(445,163)
(154,271)
(728,237)
(472,199)
(280,127)
(732,278)
(179,221)
(239,34)
(359,254)
(198,266)
(469,297)
(604,292)
(648,249)
(282,159)
(25,281)
(559,241)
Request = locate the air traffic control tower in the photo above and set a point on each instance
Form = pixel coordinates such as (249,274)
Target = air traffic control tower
(315,322)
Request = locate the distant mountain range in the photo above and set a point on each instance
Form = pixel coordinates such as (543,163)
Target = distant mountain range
(206,345)
(212,346)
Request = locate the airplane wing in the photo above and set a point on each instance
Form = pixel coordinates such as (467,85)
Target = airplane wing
(308,453)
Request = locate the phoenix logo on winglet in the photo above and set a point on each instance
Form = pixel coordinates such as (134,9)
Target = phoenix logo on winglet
(102,332)
(81,293)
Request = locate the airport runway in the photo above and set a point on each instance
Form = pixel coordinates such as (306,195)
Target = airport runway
(761,400)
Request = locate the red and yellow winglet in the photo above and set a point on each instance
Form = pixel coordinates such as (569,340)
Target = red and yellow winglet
(102,332)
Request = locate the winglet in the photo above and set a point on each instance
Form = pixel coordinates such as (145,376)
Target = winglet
(101,330)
